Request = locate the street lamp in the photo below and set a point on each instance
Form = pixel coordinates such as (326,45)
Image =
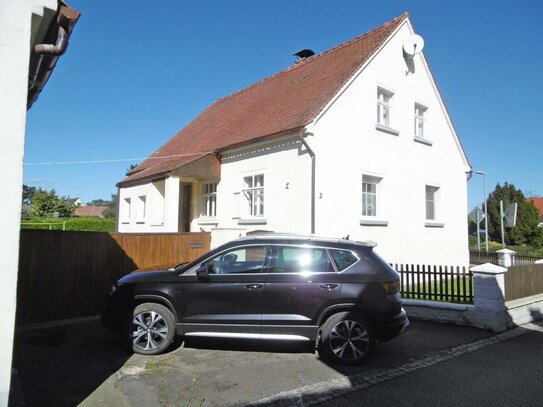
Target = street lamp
(486,206)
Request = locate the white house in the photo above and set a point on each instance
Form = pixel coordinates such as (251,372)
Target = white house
(24,70)
(354,141)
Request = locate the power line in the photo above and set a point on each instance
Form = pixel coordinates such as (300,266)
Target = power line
(112,160)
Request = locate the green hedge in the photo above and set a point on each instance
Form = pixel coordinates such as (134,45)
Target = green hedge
(86,224)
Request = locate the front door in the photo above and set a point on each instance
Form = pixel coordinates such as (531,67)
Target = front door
(185,207)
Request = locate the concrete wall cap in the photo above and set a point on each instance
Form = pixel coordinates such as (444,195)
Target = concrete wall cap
(506,251)
(539,261)
(488,268)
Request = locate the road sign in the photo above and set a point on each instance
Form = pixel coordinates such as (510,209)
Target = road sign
(510,215)
(476,215)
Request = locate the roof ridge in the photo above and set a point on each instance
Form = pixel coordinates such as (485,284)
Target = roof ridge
(313,58)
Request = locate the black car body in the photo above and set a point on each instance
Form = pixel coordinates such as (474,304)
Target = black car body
(336,293)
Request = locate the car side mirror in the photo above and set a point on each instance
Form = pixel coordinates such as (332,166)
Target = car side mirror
(204,270)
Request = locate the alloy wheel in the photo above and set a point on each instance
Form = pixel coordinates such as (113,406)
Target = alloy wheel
(149,330)
(349,340)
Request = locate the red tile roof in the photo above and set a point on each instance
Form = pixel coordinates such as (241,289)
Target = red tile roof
(89,210)
(538,203)
(279,104)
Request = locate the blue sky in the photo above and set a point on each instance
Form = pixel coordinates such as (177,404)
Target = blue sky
(134,75)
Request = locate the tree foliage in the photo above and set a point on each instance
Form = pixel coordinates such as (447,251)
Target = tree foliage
(526,231)
(46,203)
(28,194)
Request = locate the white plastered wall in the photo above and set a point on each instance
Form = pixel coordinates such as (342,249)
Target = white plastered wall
(286,166)
(348,145)
(161,207)
(20,23)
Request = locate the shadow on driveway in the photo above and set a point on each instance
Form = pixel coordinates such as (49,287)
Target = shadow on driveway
(61,365)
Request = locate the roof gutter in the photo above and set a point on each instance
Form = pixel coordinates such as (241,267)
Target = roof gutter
(46,55)
(313,166)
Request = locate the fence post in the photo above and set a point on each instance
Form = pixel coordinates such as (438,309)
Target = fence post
(506,257)
(489,297)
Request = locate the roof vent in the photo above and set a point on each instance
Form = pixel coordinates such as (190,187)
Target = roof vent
(303,54)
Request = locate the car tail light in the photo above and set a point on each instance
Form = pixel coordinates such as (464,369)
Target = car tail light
(392,288)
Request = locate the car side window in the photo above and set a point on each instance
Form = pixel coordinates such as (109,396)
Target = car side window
(343,258)
(302,260)
(250,259)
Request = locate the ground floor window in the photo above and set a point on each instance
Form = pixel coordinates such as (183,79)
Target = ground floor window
(209,200)
(253,194)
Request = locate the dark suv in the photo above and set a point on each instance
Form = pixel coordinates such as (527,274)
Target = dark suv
(336,293)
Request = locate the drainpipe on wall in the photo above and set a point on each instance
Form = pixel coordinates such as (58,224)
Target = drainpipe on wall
(312,155)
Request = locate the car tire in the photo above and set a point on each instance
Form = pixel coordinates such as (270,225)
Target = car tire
(151,329)
(346,339)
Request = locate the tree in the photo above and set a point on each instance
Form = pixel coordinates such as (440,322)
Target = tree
(28,194)
(46,203)
(526,231)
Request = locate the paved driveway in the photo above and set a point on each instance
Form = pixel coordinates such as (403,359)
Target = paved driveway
(83,363)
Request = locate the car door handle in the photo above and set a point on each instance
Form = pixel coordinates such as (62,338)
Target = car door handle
(328,286)
(253,286)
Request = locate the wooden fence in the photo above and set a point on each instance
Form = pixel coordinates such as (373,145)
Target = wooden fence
(436,283)
(523,281)
(65,274)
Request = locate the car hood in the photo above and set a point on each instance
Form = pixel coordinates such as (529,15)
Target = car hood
(140,276)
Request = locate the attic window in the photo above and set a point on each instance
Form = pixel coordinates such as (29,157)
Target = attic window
(384,106)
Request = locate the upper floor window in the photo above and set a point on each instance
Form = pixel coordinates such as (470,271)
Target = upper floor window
(431,202)
(370,192)
(384,107)
(209,200)
(253,195)
(420,119)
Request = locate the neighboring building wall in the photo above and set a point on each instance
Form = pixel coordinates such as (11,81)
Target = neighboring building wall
(348,145)
(20,22)
(150,207)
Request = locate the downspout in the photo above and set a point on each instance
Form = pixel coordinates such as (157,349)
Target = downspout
(312,155)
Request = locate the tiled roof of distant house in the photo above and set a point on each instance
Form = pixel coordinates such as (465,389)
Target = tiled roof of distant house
(89,210)
(538,203)
(278,105)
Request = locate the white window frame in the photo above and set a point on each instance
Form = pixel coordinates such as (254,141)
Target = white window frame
(373,218)
(126,210)
(384,110)
(208,209)
(141,209)
(420,123)
(249,195)
(384,106)
(366,195)
(434,220)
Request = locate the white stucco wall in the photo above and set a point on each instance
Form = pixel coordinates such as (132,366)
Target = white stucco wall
(286,166)
(19,23)
(348,145)
(161,207)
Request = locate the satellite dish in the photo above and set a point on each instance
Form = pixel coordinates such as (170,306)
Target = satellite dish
(413,45)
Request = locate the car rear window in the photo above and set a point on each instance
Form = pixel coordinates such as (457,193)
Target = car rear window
(343,258)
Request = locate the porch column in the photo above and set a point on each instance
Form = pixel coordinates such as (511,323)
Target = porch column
(171,204)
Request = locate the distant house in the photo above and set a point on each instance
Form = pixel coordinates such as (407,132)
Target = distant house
(76,202)
(354,141)
(538,203)
(90,210)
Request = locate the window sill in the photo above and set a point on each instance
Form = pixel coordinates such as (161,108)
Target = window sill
(157,224)
(373,222)
(207,221)
(423,140)
(431,224)
(387,129)
(140,222)
(252,221)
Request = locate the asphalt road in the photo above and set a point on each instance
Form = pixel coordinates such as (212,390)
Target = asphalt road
(431,364)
